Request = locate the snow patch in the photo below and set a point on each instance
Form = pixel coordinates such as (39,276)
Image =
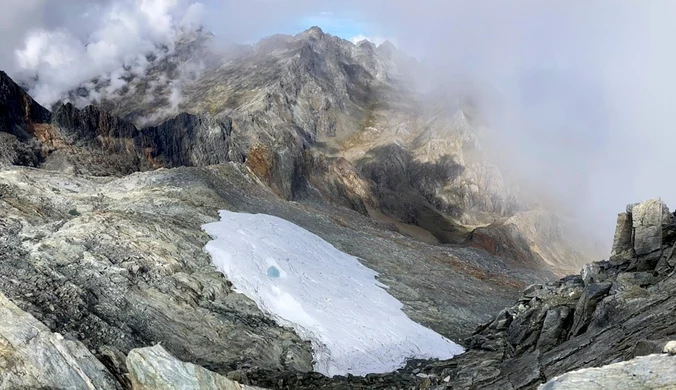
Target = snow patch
(326,295)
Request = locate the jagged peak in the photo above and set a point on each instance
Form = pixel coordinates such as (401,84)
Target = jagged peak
(314,32)
(366,44)
(18,110)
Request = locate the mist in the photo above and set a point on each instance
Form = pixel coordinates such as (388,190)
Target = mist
(577,97)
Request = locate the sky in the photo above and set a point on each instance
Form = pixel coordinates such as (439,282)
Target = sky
(579,96)
(336,17)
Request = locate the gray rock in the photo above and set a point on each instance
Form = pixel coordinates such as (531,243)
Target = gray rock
(21,116)
(643,373)
(554,328)
(623,245)
(667,262)
(584,310)
(153,368)
(649,347)
(33,357)
(590,272)
(648,219)
(189,140)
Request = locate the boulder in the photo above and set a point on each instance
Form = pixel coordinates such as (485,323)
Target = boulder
(648,219)
(153,368)
(590,272)
(554,328)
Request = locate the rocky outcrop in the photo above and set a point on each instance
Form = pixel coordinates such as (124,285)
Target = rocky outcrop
(31,356)
(154,368)
(19,113)
(94,142)
(189,140)
(90,125)
(641,233)
(20,118)
(613,311)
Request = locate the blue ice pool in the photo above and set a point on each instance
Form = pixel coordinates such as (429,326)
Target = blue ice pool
(273,272)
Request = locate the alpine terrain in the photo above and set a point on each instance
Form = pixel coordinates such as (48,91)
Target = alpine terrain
(298,214)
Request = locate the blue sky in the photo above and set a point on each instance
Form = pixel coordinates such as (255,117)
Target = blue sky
(267,17)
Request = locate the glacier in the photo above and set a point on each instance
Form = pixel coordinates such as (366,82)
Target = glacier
(329,298)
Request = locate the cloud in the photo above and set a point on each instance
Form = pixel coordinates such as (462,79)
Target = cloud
(108,40)
(578,96)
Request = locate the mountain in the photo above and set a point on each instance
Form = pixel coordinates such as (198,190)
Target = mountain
(103,202)
(315,116)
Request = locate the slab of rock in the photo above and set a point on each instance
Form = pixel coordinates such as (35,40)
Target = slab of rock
(642,373)
(584,310)
(623,246)
(31,356)
(153,368)
(554,328)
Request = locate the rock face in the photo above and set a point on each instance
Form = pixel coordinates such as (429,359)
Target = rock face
(154,368)
(20,119)
(33,357)
(189,140)
(94,142)
(643,373)
(19,113)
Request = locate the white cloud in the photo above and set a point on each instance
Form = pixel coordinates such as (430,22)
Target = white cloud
(121,34)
